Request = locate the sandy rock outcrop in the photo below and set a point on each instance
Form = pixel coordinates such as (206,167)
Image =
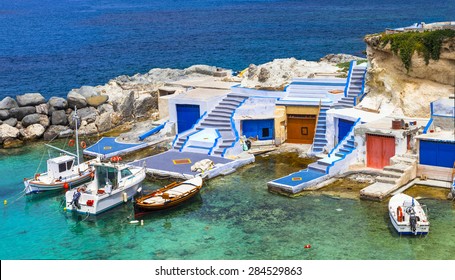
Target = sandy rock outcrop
(390,87)
(277,74)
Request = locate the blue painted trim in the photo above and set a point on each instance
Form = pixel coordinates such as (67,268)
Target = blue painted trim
(216,141)
(342,141)
(443,116)
(428,126)
(348,80)
(187,139)
(431,109)
(236,133)
(175,139)
(151,132)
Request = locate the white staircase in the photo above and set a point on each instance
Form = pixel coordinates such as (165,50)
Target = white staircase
(355,87)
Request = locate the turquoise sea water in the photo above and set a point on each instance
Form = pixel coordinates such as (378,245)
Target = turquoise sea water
(234,217)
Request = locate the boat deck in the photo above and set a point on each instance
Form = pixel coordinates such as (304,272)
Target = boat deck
(108,147)
(177,164)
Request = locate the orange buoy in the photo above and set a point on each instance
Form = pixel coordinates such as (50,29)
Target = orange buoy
(83,145)
(71,143)
(92,175)
(119,158)
(399,214)
(66,186)
(308,246)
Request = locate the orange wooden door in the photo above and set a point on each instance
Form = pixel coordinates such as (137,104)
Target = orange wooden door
(379,150)
(301,129)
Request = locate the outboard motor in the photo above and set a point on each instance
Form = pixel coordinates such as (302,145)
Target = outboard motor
(75,200)
(413,223)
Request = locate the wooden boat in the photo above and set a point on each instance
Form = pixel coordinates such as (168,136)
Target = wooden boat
(170,196)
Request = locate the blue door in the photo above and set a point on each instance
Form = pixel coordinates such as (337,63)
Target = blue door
(260,129)
(187,116)
(437,153)
(344,126)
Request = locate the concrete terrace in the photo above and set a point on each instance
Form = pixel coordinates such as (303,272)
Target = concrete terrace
(178,164)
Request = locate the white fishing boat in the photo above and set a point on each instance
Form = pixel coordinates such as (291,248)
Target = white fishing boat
(112,185)
(63,172)
(408,215)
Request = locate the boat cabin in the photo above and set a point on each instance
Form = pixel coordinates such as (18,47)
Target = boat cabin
(60,166)
(108,177)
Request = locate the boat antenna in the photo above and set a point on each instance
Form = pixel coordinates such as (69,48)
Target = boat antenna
(76,119)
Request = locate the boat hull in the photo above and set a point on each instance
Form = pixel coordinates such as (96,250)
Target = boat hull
(102,202)
(170,203)
(406,229)
(35,186)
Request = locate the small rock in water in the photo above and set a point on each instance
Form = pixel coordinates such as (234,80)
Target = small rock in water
(339,209)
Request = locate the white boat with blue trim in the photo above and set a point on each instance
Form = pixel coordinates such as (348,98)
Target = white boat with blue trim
(408,216)
(112,185)
(64,171)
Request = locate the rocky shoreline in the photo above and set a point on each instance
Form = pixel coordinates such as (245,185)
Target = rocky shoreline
(30,117)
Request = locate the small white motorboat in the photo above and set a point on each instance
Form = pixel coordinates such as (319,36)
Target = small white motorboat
(112,185)
(408,215)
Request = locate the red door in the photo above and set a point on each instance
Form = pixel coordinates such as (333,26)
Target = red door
(379,150)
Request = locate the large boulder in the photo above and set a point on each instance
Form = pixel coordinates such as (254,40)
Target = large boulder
(88,114)
(42,109)
(44,121)
(105,108)
(11,121)
(86,91)
(88,129)
(125,105)
(32,132)
(104,122)
(58,103)
(97,100)
(59,118)
(143,105)
(8,103)
(30,99)
(20,113)
(7,131)
(76,100)
(55,131)
(4,114)
(30,119)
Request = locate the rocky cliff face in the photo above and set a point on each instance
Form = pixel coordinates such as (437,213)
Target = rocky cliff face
(391,88)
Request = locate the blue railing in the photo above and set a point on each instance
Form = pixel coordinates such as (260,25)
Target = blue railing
(362,90)
(151,132)
(348,134)
(342,141)
(216,141)
(348,80)
(236,133)
(428,126)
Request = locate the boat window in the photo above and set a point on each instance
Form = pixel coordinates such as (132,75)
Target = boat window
(69,164)
(106,174)
(125,173)
(62,167)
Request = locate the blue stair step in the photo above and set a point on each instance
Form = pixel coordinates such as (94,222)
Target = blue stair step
(340,154)
(344,150)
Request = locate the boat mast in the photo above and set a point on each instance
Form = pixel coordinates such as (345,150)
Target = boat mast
(76,118)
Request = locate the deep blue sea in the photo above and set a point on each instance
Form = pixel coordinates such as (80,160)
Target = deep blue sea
(52,46)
